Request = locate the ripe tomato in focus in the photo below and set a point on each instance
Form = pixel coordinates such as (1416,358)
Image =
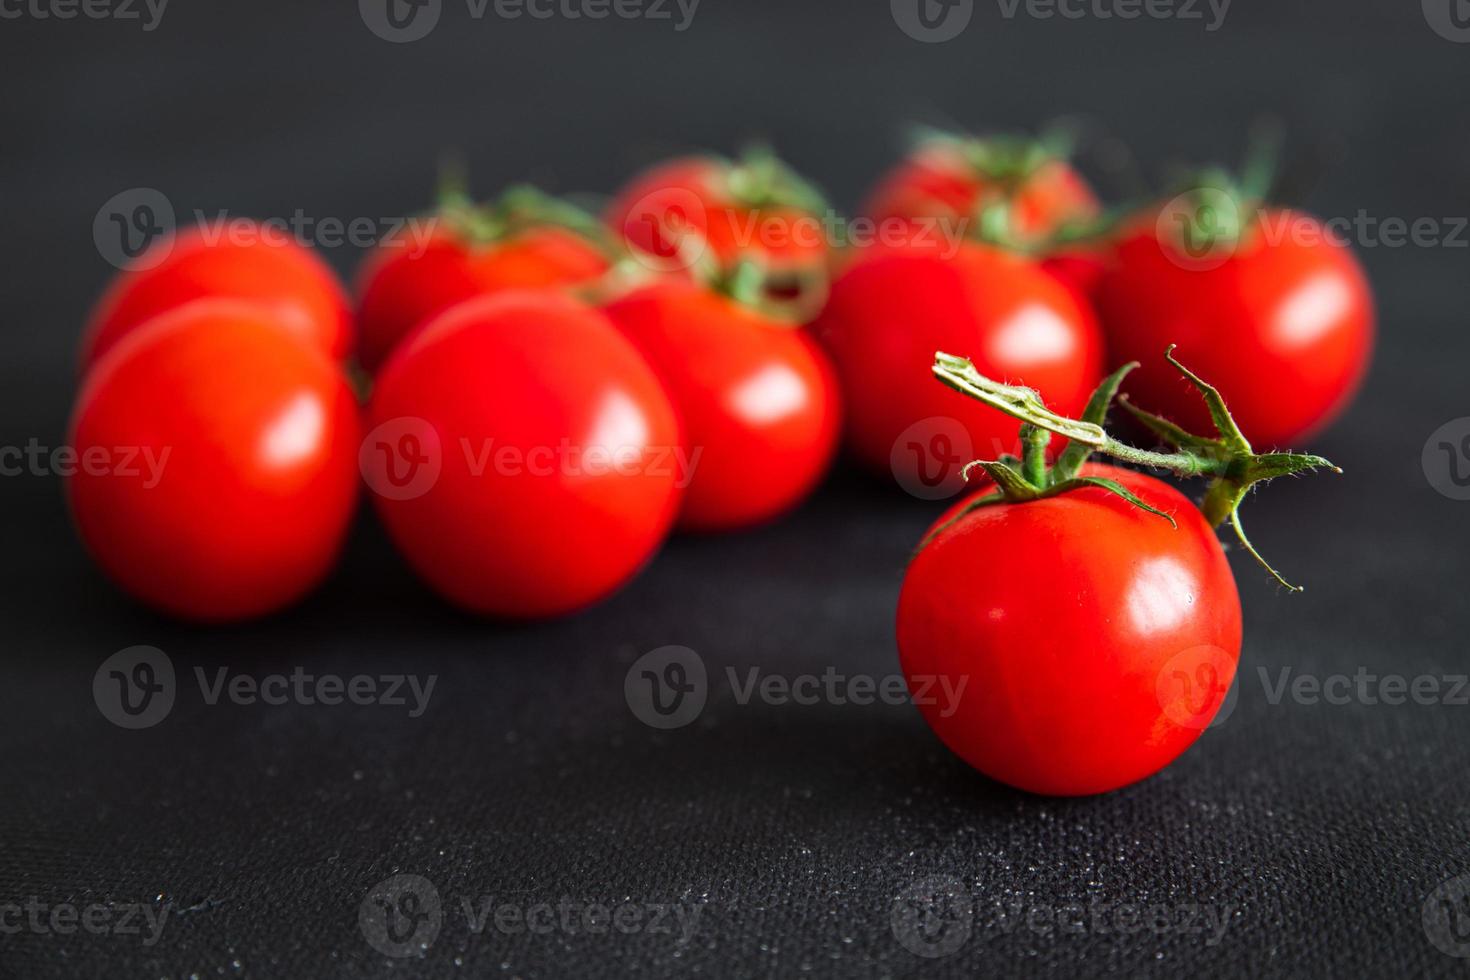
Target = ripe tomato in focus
(226,469)
(522,454)
(403,285)
(1092,652)
(955,178)
(1281,323)
(299,291)
(751,207)
(757,397)
(893,308)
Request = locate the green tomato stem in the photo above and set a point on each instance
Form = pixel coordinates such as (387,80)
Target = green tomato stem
(1227,458)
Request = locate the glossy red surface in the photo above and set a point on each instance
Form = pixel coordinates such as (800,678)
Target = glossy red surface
(891,311)
(1283,327)
(758,400)
(401,287)
(256,438)
(1094,641)
(938,182)
(692,193)
(557,450)
(298,290)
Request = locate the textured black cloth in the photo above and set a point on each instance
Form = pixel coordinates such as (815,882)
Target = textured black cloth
(806,837)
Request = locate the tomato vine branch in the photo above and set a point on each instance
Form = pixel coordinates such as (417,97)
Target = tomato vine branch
(1227,459)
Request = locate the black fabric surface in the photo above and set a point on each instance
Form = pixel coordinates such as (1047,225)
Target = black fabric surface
(1320,831)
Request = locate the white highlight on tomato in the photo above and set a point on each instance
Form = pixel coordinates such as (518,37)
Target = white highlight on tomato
(619,428)
(1154,602)
(1034,335)
(1312,309)
(769,395)
(295,433)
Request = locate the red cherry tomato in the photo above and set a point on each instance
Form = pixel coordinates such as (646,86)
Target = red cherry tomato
(298,289)
(225,472)
(1282,325)
(523,454)
(1080,270)
(1091,642)
(400,287)
(757,397)
(892,309)
(955,178)
(754,207)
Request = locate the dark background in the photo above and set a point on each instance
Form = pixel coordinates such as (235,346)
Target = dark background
(261,830)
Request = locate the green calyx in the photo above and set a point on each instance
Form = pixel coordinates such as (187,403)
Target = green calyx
(758,179)
(1005,158)
(1208,216)
(520,208)
(1211,210)
(1006,162)
(748,281)
(1226,459)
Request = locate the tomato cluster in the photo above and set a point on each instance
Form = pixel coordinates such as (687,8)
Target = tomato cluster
(550,394)
(535,397)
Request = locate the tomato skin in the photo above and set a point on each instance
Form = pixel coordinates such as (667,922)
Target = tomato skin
(1283,327)
(1067,620)
(401,287)
(260,479)
(1080,270)
(790,242)
(297,287)
(936,181)
(758,400)
(523,374)
(890,311)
